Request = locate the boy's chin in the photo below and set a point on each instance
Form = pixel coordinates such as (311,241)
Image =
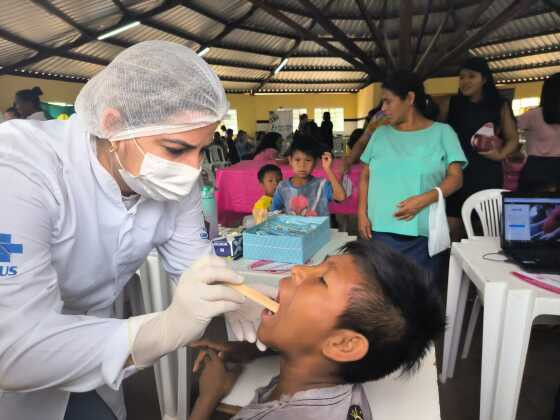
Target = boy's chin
(264,336)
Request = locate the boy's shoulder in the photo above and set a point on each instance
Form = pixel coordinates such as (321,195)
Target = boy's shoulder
(332,402)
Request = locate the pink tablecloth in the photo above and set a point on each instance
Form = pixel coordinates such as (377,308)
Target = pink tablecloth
(238,188)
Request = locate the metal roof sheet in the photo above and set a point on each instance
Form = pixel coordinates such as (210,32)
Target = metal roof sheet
(528,46)
(285,76)
(29,21)
(99,49)
(63,66)
(241,73)
(11,53)
(186,19)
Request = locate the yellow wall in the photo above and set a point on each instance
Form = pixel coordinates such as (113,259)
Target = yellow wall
(53,90)
(442,86)
(250,109)
(527,90)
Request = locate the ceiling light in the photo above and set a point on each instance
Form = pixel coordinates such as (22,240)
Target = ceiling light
(281,66)
(118,30)
(203,52)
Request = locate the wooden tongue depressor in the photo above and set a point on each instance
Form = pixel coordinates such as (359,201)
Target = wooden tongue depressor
(256,296)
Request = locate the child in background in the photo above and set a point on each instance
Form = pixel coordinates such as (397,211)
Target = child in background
(269,177)
(303,194)
(372,311)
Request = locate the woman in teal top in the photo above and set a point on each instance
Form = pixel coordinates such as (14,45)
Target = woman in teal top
(403,162)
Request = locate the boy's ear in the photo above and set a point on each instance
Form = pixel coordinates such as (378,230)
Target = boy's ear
(345,346)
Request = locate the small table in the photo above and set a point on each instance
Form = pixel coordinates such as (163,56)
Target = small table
(237,187)
(508,314)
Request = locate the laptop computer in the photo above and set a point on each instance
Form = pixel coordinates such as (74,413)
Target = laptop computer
(531,230)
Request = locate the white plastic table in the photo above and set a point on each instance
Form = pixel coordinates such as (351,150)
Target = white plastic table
(508,315)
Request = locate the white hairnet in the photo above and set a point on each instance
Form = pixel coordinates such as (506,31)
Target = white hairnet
(157,87)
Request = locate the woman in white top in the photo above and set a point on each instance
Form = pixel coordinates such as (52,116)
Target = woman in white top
(83,203)
(28,105)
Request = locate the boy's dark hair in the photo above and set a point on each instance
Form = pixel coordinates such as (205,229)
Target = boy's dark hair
(306,144)
(268,168)
(398,309)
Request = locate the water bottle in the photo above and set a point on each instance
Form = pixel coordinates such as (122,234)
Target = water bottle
(209,210)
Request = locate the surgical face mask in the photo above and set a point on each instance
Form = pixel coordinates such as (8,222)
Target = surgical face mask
(160,179)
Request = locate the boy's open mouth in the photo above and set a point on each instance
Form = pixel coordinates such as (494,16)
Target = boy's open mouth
(267,313)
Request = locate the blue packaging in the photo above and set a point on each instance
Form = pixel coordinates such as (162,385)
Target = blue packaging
(228,247)
(300,239)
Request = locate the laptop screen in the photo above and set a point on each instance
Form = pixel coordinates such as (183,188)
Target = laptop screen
(531,219)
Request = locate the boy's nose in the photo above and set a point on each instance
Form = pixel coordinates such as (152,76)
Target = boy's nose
(298,274)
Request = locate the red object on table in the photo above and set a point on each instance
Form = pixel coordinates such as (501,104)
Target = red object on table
(237,187)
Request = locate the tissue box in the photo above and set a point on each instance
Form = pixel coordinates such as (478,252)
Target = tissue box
(228,246)
(285,247)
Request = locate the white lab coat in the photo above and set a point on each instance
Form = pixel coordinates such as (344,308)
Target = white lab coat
(80,246)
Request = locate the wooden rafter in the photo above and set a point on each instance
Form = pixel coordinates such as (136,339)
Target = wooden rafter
(64,50)
(419,67)
(404,36)
(292,50)
(515,8)
(376,34)
(422,31)
(340,36)
(229,28)
(273,11)
(461,31)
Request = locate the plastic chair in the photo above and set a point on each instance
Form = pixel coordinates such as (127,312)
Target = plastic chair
(488,207)
(338,146)
(217,158)
(524,307)
(172,371)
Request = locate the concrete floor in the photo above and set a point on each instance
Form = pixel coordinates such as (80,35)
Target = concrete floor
(459,397)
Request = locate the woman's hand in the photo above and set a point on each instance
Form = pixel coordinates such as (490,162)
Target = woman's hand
(409,208)
(493,154)
(364,226)
(216,382)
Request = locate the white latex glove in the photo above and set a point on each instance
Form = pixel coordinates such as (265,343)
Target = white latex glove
(195,302)
(244,322)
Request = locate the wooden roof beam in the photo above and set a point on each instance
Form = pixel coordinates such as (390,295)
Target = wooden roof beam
(340,36)
(515,8)
(273,11)
(292,50)
(64,50)
(404,36)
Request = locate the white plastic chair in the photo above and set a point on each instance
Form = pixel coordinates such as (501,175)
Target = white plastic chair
(338,146)
(488,206)
(172,372)
(217,158)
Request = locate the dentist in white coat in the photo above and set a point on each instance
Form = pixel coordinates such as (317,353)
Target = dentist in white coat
(82,203)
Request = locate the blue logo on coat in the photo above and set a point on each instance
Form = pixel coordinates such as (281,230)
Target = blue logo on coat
(7,248)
